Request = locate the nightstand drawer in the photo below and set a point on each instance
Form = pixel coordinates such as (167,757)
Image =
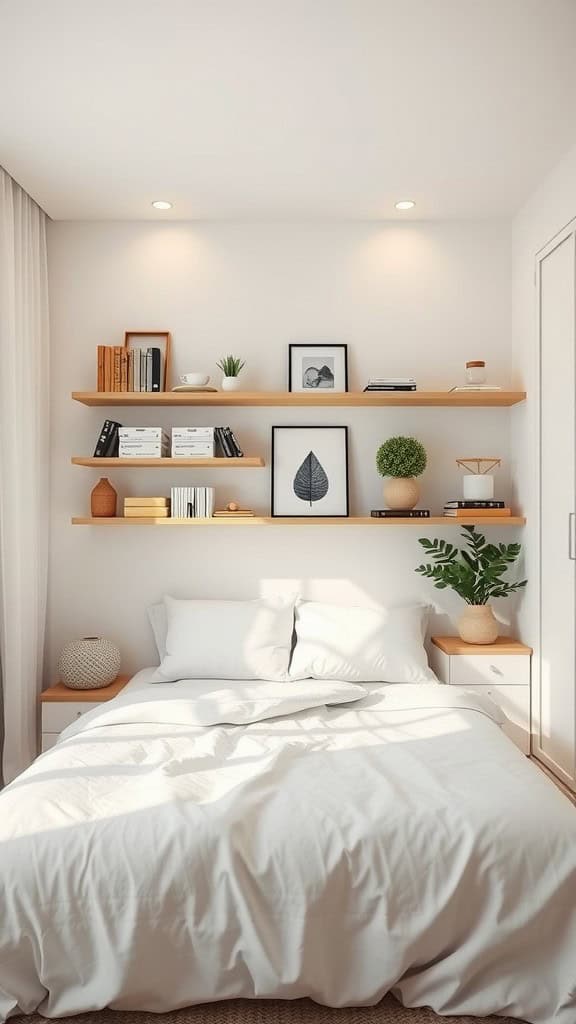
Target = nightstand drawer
(57,716)
(490,669)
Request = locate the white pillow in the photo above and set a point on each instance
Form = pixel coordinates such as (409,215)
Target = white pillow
(227,640)
(159,625)
(360,644)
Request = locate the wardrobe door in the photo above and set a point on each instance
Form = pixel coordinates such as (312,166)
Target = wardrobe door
(554,698)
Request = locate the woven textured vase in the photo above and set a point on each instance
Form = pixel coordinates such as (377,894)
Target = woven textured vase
(477,624)
(103,499)
(89,663)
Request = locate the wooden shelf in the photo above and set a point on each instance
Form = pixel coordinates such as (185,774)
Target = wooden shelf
(247,462)
(305,521)
(448,399)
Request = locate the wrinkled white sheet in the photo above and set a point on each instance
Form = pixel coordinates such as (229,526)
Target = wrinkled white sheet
(155,858)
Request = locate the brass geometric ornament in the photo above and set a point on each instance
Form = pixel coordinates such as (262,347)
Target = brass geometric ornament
(479,464)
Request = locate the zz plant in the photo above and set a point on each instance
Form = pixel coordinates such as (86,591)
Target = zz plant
(474,572)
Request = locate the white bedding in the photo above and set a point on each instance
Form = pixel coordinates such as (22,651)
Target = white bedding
(159,856)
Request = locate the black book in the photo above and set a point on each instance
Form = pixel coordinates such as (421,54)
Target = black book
(108,427)
(475,504)
(402,513)
(156,368)
(223,442)
(113,443)
(238,453)
(389,387)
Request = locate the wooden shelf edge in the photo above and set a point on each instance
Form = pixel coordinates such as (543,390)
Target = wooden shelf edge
(443,521)
(448,399)
(247,462)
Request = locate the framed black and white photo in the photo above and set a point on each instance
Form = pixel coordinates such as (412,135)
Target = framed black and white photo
(309,471)
(318,368)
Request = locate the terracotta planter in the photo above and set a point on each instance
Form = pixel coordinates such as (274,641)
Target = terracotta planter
(401,492)
(103,499)
(477,624)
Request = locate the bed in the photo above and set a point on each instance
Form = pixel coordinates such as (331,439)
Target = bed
(219,839)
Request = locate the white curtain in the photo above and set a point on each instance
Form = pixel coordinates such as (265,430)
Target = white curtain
(24,479)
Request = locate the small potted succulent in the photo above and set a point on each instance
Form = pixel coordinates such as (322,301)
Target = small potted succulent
(230,366)
(401,459)
(476,576)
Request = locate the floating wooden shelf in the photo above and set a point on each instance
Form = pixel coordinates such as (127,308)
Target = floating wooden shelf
(247,462)
(305,521)
(448,399)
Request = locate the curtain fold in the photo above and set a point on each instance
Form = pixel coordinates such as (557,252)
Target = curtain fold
(24,469)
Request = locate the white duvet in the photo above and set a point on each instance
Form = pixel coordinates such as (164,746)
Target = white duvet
(202,841)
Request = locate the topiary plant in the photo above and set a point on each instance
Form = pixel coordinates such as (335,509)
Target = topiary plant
(401,457)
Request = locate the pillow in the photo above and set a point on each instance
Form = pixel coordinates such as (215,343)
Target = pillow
(360,644)
(227,640)
(159,625)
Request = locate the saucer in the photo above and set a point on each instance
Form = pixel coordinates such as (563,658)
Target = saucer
(193,387)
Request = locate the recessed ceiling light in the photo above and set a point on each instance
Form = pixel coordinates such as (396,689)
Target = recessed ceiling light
(405,204)
(162,204)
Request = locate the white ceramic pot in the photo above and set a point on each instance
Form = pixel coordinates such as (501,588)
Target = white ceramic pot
(478,486)
(477,624)
(89,663)
(401,492)
(231,384)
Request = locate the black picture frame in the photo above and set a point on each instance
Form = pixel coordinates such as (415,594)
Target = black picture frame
(313,347)
(275,512)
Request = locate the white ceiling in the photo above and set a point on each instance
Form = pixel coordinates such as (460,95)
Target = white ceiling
(285,108)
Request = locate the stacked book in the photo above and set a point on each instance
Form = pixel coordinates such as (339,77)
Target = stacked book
(107,443)
(233,513)
(146,508)
(391,384)
(227,443)
(467,509)
(477,387)
(192,502)
(193,442)
(130,369)
(143,443)
(400,513)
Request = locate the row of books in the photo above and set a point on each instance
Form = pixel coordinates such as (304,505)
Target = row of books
(116,441)
(129,369)
(192,502)
(391,384)
(455,509)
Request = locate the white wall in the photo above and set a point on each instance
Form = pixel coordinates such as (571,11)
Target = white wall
(412,298)
(551,207)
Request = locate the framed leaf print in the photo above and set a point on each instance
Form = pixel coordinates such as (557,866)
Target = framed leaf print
(309,471)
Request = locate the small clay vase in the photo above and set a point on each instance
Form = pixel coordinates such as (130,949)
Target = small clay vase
(103,500)
(401,492)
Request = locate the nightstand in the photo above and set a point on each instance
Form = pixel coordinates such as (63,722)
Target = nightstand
(62,706)
(500,670)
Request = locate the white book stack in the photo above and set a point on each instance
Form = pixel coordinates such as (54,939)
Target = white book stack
(143,443)
(192,502)
(193,442)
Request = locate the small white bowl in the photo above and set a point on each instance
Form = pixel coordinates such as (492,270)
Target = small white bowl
(196,380)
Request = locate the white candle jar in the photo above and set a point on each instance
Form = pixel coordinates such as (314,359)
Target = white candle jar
(475,371)
(478,487)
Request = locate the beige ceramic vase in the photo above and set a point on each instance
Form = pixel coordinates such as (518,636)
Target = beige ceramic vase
(401,492)
(477,624)
(103,500)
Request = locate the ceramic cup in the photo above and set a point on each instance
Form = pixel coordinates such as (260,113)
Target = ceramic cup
(194,380)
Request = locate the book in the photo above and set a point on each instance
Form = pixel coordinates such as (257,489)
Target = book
(144,434)
(224,442)
(107,431)
(391,380)
(390,387)
(478,513)
(111,450)
(143,365)
(148,369)
(193,433)
(143,512)
(238,453)
(146,502)
(100,368)
(223,513)
(130,369)
(116,377)
(107,368)
(403,513)
(156,369)
(466,503)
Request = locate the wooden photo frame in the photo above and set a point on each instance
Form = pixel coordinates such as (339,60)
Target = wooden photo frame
(321,368)
(309,475)
(131,339)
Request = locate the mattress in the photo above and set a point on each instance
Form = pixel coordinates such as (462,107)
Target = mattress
(208,839)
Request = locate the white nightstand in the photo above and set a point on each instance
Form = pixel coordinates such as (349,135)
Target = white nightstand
(62,706)
(500,670)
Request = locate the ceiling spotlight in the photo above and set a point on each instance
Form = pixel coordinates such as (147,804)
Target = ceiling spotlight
(163,204)
(405,204)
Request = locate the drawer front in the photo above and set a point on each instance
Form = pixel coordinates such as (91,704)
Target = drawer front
(49,739)
(486,669)
(57,716)
(515,703)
